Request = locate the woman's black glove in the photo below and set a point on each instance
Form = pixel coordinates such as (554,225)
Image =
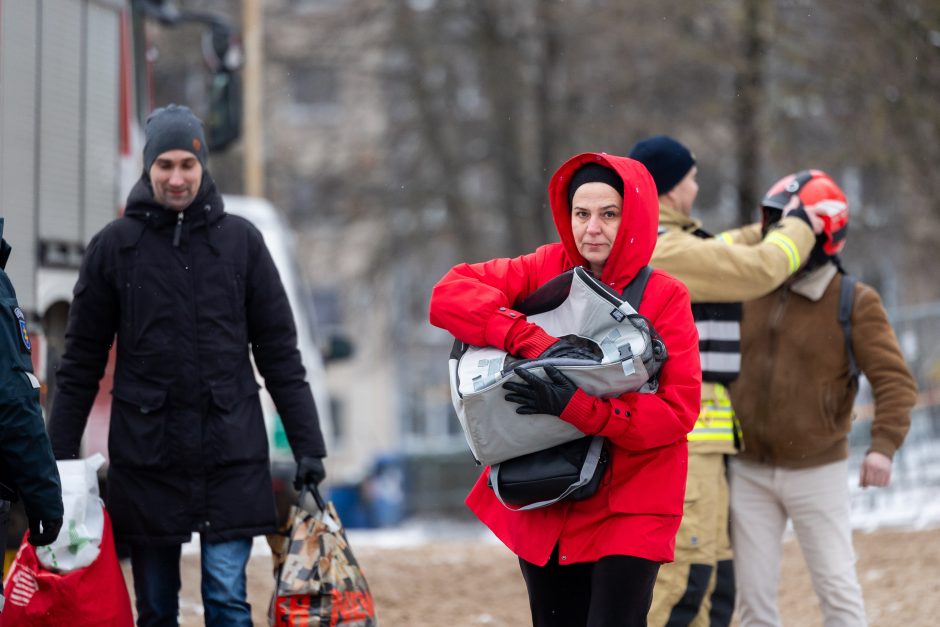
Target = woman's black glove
(48,533)
(310,472)
(537,396)
(565,347)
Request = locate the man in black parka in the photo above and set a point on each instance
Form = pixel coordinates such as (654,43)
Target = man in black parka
(27,467)
(186,288)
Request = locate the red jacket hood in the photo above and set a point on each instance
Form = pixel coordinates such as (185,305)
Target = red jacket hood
(636,238)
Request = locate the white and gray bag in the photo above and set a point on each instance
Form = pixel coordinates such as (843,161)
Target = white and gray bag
(578,307)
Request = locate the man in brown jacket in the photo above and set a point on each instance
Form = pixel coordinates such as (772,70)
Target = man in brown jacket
(794,399)
(698,588)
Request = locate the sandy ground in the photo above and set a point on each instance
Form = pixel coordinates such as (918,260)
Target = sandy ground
(465,583)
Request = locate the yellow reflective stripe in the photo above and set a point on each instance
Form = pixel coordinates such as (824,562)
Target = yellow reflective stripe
(715,425)
(727,423)
(710,437)
(721,408)
(726,238)
(788,246)
(727,428)
(718,402)
(721,393)
(716,414)
(711,404)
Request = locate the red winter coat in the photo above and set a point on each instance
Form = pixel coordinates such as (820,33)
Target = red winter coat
(638,507)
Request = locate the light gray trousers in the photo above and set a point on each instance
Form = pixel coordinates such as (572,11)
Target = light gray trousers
(816,500)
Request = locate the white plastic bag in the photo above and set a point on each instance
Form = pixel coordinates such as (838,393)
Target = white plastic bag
(79,541)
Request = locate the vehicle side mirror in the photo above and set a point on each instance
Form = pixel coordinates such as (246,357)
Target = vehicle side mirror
(340,347)
(222,52)
(224,122)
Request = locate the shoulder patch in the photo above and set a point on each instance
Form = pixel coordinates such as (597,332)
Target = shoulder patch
(22,329)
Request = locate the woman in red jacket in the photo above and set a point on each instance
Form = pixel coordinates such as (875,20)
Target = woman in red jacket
(591,562)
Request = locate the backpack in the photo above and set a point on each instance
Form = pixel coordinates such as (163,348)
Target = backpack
(846,302)
(574,469)
(572,304)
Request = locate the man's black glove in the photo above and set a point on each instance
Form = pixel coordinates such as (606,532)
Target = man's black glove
(48,534)
(537,396)
(310,472)
(572,349)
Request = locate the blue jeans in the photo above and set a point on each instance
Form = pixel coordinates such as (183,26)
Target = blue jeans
(157,583)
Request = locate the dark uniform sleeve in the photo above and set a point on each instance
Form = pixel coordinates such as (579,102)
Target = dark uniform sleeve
(27,458)
(273,338)
(89,335)
(26,462)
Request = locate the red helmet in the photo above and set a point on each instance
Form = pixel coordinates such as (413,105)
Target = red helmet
(816,189)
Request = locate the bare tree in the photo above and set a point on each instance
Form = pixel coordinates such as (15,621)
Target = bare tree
(748,105)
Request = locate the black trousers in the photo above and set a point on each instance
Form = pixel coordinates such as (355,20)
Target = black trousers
(615,591)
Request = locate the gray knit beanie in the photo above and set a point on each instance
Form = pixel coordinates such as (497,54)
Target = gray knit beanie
(173,127)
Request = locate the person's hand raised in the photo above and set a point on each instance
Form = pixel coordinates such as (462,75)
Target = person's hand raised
(812,213)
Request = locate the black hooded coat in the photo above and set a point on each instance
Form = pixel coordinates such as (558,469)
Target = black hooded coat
(187,444)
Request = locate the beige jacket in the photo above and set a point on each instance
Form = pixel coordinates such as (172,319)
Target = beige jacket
(734,266)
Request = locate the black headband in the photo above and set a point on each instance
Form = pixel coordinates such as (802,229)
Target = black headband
(593,173)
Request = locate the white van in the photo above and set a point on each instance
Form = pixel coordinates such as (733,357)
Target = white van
(281,243)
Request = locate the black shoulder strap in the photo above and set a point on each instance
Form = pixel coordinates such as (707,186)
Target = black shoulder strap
(633,293)
(846,302)
(4,247)
(5,250)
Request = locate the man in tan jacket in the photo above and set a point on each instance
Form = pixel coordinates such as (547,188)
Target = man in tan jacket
(794,398)
(698,588)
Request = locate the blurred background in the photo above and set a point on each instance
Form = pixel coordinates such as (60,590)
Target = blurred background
(396,138)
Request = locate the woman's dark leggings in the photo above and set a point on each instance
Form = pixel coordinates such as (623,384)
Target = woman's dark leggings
(615,591)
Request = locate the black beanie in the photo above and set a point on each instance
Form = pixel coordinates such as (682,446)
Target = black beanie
(593,173)
(173,127)
(667,160)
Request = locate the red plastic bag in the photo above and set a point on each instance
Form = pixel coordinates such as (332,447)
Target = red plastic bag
(318,581)
(95,595)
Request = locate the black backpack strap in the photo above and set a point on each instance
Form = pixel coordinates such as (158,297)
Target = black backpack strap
(846,302)
(5,250)
(633,293)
